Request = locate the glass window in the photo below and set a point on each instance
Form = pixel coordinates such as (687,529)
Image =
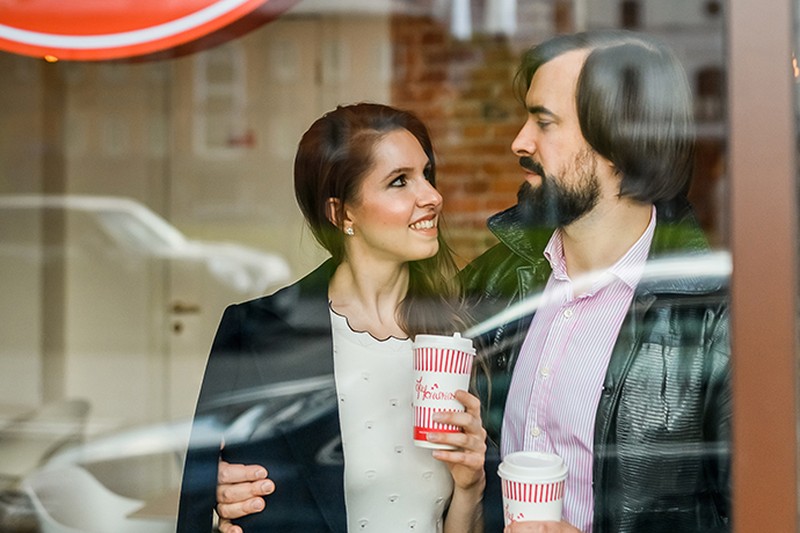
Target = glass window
(177,169)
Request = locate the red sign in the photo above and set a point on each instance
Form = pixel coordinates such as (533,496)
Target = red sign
(112,29)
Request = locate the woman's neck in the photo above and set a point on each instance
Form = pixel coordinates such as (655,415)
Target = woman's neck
(369,295)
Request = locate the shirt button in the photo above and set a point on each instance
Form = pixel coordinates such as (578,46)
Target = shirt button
(536,431)
(545,371)
(568,312)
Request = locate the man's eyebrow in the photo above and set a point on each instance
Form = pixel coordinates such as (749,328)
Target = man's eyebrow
(540,110)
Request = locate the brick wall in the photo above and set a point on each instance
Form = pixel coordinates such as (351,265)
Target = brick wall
(462,90)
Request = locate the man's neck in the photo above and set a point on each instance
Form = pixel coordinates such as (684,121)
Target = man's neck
(599,239)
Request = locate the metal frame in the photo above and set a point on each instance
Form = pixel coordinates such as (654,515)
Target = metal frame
(764,244)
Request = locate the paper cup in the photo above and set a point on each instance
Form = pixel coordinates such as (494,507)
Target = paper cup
(533,486)
(442,365)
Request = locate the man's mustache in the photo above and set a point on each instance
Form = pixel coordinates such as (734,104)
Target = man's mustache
(529,164)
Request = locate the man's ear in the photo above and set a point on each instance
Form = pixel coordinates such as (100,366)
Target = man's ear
(332,210)
(608,164)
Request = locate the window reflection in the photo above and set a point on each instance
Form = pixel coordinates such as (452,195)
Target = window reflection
(204,145)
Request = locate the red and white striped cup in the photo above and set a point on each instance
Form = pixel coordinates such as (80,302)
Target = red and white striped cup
(533,486)
(442,365)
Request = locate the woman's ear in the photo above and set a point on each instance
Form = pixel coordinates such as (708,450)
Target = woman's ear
(336,210)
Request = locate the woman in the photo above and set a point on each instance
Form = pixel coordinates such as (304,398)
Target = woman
(364,180)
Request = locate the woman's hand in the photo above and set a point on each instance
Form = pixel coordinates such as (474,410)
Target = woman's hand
(240,492)
(466,463)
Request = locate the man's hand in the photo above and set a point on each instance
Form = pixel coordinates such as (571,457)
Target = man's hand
(541,527)
(240,492)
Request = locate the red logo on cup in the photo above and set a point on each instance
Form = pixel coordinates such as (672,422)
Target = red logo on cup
(110,29)
(424,392)
(512,517)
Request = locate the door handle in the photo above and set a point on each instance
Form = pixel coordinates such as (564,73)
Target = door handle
(183,308)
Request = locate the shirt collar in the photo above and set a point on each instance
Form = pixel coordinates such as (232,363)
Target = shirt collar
(628,268)
(554,253)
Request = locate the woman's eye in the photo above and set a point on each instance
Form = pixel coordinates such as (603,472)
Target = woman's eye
(399,181)
(427,173)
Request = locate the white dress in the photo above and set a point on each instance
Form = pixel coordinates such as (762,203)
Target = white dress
(390,484)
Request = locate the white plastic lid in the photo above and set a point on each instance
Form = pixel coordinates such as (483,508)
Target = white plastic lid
(532,466)
(456,342)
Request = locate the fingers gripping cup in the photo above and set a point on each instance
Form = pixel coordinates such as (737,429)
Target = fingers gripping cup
(533,486)
(442,365)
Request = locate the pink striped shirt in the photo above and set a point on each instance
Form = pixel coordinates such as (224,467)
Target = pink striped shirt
(558,378)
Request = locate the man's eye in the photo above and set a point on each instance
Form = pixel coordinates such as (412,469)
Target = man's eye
(399,181)
(543,124)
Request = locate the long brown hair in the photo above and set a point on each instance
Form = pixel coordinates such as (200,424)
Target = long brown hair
(332,159)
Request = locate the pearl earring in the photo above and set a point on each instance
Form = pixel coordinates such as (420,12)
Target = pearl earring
(349,231)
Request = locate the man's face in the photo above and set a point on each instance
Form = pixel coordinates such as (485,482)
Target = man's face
(561,169)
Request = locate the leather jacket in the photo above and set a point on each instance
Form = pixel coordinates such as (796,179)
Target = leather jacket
(663,423)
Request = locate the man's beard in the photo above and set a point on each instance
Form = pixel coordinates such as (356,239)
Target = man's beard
(554,205)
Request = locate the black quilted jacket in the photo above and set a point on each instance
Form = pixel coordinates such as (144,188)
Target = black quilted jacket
(663,424)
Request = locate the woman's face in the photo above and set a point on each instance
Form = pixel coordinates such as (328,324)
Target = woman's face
(396,211)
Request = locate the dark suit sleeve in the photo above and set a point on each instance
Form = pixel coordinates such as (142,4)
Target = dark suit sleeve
(198,489)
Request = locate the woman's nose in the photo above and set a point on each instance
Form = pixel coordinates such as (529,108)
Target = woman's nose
(429,195)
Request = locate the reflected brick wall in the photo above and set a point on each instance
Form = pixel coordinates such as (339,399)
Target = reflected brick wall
(462,90)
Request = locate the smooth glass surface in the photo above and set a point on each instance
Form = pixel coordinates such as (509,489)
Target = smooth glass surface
(139,198)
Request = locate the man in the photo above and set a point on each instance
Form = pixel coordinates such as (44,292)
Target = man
(624,375)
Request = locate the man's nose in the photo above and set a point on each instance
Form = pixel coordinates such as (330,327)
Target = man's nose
(524,143)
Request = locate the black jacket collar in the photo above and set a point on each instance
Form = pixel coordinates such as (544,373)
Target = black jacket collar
(680,260)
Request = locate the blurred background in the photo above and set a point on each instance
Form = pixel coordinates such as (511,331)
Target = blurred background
(140,195)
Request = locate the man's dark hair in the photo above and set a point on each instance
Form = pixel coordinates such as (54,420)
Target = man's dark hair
(634,107)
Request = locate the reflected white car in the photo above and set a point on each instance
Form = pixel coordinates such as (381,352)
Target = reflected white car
(124,224)
(118,296)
